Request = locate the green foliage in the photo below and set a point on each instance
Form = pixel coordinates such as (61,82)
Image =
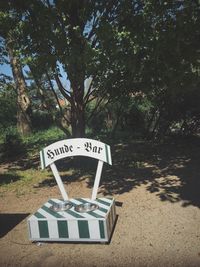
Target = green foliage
(12,143)
(8,106)
(42,138)
(128,48)
(41,120)
(96,123)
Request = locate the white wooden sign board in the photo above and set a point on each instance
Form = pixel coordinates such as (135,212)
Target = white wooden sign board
(76,147)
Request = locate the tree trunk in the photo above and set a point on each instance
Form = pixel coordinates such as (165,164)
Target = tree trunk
(115,126)
(78,115)
(76,69)
(23,101)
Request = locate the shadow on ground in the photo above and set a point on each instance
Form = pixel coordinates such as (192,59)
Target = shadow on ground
(170,170)
(10,221)
(81,168)
(7,178)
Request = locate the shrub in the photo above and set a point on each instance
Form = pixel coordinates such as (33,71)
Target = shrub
(12,143)
(41,120)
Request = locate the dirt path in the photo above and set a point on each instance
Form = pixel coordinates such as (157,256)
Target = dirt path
(148,232)
(158,223)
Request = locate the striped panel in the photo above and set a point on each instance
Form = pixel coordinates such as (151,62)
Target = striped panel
(47,213)
(33,229)
(53,229)
(94,229)
(39,215)
(97,225)
(102,201)
(102,229)
(83,229)
(43,229)
(73,230)
(63,229)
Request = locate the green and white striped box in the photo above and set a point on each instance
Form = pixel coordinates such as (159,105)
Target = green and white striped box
(69,225)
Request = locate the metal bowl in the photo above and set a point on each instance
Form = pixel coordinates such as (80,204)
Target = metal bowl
(86,207)
(64,205)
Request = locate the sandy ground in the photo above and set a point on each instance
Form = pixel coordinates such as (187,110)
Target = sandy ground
(150,231)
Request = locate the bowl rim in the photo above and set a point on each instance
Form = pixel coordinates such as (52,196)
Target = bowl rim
(93,206)
(62,206)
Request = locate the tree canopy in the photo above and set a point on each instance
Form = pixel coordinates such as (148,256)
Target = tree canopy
(111,53)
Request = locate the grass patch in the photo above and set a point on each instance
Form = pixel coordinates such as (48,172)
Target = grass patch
(22,182)
(24,174)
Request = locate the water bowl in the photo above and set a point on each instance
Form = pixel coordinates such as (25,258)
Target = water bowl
(86,207)
(64,205)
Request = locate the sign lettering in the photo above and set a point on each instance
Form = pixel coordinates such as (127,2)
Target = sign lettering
(90,148)
(57,151)
(75,147)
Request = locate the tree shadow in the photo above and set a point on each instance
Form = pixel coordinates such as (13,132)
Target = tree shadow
(10,221)
(170,170)
(176,175)
(7,178)
(81,167)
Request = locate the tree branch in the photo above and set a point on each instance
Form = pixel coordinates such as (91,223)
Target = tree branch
(89,92)
(94,25)
(64,92)
(57,100)
(96,107)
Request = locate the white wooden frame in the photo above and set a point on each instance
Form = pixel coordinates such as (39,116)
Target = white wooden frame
(76,147)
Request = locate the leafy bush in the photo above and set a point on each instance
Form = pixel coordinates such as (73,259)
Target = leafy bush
(8,107)
(42,138)
(12,143)
(41,120)
(96,123)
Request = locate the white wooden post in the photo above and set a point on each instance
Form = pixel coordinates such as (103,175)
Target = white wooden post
(97,179)
(59,181)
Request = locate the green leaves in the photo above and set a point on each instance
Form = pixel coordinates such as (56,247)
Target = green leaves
(126,47)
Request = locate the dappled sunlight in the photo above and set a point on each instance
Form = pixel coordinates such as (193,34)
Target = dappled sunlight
(170,170)
(166,188)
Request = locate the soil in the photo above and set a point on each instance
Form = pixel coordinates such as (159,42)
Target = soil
(158,214)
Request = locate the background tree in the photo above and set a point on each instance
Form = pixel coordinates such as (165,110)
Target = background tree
(8,104)
(10,29)
(172,67)
(76,36)
(129,57)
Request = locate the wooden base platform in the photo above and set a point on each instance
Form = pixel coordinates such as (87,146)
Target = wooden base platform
(63,226)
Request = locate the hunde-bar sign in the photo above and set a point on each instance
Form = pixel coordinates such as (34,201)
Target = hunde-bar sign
(74,219)
(75,147)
